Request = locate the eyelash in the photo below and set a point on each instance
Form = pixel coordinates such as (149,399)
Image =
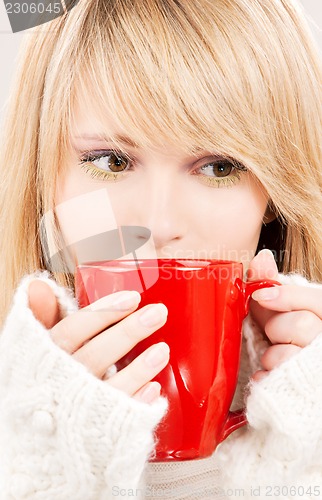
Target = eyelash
(88,157)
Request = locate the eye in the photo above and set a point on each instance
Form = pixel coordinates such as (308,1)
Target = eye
(106,165)
(220,173)
(108,161)
(217,169)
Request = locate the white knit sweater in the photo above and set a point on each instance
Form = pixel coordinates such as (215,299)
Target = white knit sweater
(67,435)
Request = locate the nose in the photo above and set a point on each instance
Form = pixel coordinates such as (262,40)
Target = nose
(161,209)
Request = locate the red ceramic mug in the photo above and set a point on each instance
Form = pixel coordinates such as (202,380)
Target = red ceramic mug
(207,301)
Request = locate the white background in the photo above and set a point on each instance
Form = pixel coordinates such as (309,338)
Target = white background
(9,43)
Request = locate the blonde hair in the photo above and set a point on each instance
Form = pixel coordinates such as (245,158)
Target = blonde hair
(240,78)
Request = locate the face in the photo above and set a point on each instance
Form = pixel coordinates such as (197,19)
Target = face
(195,207)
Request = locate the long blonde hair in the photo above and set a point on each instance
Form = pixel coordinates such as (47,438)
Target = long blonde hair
(238,77)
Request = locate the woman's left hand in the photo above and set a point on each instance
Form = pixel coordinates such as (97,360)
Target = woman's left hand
(290,315)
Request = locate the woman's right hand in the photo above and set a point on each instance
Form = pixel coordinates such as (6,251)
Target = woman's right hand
(88,336)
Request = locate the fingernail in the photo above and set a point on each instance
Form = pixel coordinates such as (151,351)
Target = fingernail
(154,315)
(157,354)
(126,300)
(150,393)
(121,302)
(266,293)
(266,254)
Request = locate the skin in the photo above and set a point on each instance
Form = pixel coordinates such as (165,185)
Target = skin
(163,190)
(165,193)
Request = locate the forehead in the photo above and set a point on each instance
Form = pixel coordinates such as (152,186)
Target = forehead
(92,126)
(86,121)
(100,117)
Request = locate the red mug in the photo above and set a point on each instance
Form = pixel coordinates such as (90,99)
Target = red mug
(207,301)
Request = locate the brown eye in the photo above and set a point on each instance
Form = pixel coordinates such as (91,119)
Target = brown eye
(108,161)
(217,169)
(117,163)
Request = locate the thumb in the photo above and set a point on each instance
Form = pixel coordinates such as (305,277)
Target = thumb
(43,303)
(262,267)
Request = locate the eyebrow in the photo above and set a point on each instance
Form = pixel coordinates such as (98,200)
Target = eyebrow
(102,138)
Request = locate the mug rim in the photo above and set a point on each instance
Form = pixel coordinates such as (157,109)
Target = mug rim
(172,263)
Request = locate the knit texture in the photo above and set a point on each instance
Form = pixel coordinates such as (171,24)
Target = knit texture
(64,434)
(68,435)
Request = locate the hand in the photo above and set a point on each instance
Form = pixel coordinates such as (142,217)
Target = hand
(86,335)
(290,315)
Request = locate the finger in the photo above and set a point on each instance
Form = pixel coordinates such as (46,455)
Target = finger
(296,327)
(148,393)
(111,345)
(43,303)
(276,355)
(144,368)
(290,298)
(262,267)
(79,327)
(260,314)
(259,375)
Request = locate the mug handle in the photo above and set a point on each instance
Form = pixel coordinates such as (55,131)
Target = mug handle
(237,419)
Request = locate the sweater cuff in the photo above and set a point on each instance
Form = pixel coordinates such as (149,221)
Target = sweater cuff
(60,425)
(288,403)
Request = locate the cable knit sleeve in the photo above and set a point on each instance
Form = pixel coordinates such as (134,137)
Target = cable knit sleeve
(279,454)
(64,434)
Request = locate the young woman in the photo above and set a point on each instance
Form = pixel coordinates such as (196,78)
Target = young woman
(201,121)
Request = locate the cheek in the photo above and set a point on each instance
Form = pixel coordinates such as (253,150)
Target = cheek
(73,183)
(232,226)
(76,202)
